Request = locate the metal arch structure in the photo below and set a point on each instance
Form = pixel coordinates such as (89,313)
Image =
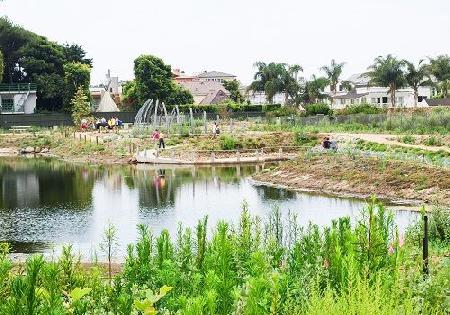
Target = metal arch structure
(154,113)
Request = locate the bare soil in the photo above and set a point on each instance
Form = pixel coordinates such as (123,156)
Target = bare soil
(345,176)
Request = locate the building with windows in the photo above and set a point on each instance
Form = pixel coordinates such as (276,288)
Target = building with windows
(215,76)
(363,93)
(18,98)
(206,93)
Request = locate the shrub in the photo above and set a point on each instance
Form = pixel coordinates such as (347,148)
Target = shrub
(302,138)
(229,143)
(433,141)
(360,109)
(408,139)
(318,109)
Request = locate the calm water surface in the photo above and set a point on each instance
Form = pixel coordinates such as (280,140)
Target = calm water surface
(46,203)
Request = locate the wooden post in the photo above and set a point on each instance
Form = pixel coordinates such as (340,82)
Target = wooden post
(213,157)
(257,155)
(191,117)
(280,152)
(238,157)
(85,139)
(205,122)
(231,125)
(425,245)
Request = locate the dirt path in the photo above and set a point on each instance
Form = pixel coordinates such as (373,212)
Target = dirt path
(385,139)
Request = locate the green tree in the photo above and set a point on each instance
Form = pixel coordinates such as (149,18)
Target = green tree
(153,78)
(76,75)
(389,72)
(1,66)
(81,108)
(416,77)
(268,79)
(313,90)
(233,87)
(289,81)
(179,96)
(333,72)
(75,53)
(440,70)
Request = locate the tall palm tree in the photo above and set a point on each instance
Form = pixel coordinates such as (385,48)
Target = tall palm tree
(416,77)
(333,72)
(440,70)
(388,71)
(289,80)
(313,89)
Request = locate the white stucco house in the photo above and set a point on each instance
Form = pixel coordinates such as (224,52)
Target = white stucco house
(362,93)
(18,98)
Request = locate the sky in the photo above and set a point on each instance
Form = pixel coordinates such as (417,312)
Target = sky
(231,35)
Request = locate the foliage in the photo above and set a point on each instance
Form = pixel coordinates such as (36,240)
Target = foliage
(228,142)
(30,58)
(316,109)
(333,72)
(416,77)
(76,75)
(273,78)
(153,80)
(313,90)
(233,88)
(440,69)
(389,72)
(439,227)
(270,266)
(81,108)
(360,109)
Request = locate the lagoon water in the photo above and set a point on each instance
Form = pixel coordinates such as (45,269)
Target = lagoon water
(45,203)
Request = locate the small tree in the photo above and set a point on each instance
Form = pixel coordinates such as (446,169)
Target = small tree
(81,107)
(416,77)
(233,88)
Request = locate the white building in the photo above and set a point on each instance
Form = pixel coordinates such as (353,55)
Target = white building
(259,98)
(19,98)
(362,93)
(215,76)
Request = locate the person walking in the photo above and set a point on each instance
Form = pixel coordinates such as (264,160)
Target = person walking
(161,141)
(155,137)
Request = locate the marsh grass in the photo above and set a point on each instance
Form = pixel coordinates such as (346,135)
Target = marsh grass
(258,266)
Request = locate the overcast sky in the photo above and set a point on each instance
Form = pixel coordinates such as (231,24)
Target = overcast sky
(230,35)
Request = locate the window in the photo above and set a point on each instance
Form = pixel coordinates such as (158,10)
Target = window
(342,101)
(421,98)
(8,105)
(385,100)
(363,100)
(352,101)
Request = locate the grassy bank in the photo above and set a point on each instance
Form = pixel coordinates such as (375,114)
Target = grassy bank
(346,174)
(268,266)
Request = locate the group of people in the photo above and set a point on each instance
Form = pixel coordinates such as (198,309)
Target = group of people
(329,144)
(110,124)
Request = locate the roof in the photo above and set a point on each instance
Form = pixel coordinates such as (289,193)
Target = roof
(215,74)
(107,104)
(201,88)
(438,101)
(350,95)
(208,92)
(359,79)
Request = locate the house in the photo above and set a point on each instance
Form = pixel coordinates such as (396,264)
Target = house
(258,98)
(362,93)
(215,76)
(113,86)
(438,101)
(18,98)
(180,76)
(206,92)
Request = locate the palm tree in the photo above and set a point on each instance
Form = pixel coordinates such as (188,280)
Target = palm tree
(333,72)
(289,80)
(268,79)
(388,71)
(313,90)
(416,77)
(440,70)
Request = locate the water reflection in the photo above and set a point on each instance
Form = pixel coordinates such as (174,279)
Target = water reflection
(45,202)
